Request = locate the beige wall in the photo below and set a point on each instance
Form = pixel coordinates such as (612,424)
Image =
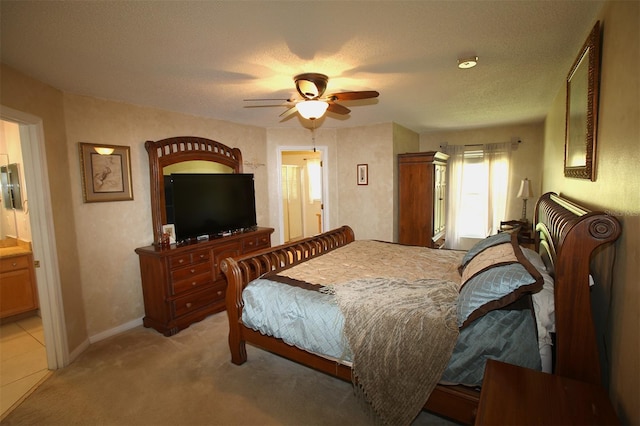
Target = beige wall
(108,233)
(526,159)
(368,209)
(616,189)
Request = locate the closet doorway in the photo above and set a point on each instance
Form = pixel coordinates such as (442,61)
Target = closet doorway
(302,192)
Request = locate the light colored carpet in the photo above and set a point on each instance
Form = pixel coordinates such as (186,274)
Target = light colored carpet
(143,378)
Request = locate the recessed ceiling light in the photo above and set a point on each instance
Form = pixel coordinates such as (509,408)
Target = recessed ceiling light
(468,62)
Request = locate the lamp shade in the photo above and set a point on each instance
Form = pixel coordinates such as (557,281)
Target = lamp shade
(525,189)
(312,109)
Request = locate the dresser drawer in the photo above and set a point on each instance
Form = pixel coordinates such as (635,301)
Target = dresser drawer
(190,271)
(191,283)
(179,261)
(193,302)
(256,243)
(8,264)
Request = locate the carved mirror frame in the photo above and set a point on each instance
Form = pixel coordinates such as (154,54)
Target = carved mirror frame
(182,149)
(583,85)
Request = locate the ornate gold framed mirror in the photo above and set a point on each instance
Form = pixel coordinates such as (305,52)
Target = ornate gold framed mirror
(582,110)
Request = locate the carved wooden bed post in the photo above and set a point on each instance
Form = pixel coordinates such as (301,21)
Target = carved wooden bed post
(577,234)
(237,345)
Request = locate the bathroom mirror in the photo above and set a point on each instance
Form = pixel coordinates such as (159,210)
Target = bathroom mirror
(582,110)
(8,226)
(10,182)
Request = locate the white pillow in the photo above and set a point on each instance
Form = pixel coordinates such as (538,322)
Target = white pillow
(543,301)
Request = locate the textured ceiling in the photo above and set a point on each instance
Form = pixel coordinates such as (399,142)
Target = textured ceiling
(205,57)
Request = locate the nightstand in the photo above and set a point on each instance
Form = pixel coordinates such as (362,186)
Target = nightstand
(522,228)
(516,395)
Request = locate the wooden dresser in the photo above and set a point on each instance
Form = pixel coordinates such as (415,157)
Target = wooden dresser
(183,285)
(422,198)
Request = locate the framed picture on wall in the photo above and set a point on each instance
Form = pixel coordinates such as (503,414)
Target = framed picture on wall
(106,172)
(363,174)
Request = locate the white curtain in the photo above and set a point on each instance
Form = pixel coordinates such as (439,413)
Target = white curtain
(455,167)
(497,158)
(481,206)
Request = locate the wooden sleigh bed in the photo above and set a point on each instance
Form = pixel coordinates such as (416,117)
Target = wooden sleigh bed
(566,237)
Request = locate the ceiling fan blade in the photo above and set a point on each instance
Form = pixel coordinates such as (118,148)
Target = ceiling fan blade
(352,96)
(288,112)
(338,109)
(268,99)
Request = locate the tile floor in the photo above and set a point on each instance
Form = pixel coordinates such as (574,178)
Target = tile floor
(23,360)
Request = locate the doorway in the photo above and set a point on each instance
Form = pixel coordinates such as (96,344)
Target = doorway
(302,193)
(43,243)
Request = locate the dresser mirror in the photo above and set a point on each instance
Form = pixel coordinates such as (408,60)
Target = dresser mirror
(185,154)
(582,110)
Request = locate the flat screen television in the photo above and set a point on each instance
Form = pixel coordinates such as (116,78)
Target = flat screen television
(210,205)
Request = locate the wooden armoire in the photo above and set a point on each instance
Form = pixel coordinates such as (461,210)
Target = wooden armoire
(422,181)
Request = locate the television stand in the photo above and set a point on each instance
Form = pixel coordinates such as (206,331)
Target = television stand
(183,284)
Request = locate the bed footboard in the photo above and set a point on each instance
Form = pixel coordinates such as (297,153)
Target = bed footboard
(241,270)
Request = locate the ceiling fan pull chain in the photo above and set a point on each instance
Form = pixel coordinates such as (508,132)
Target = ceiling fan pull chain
(313,134)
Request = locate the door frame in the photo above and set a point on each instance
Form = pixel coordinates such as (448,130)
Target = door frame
(43,242)
(325,183)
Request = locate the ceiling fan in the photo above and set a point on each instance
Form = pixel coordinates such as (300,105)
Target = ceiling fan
(313,103)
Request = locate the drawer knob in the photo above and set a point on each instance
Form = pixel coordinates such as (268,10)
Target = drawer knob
(219,292)
(193,270)
(14,264)
(202,256)
(181,261)
(188,305)
(193,283)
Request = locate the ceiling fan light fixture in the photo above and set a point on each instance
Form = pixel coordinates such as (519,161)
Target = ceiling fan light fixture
(311,85)
(312,109)
(467,63)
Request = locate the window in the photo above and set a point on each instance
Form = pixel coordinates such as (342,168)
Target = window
(472,216)
(478,184)
(314,173)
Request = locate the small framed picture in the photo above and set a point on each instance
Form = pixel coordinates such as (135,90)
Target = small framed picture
(170,230)
(363,174)
(106,172)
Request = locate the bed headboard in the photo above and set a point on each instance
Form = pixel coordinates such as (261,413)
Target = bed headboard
(566,237)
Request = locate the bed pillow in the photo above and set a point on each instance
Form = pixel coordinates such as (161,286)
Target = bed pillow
(543,300)
(490,241)
(495,275)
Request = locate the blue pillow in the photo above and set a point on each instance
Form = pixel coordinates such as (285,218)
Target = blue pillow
(493,289)
(495,273)
(490,241)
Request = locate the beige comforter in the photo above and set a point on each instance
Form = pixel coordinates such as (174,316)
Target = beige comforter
(375,259)
(400,320)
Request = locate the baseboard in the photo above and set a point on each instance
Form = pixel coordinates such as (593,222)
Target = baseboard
(116,330)
(77,351)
